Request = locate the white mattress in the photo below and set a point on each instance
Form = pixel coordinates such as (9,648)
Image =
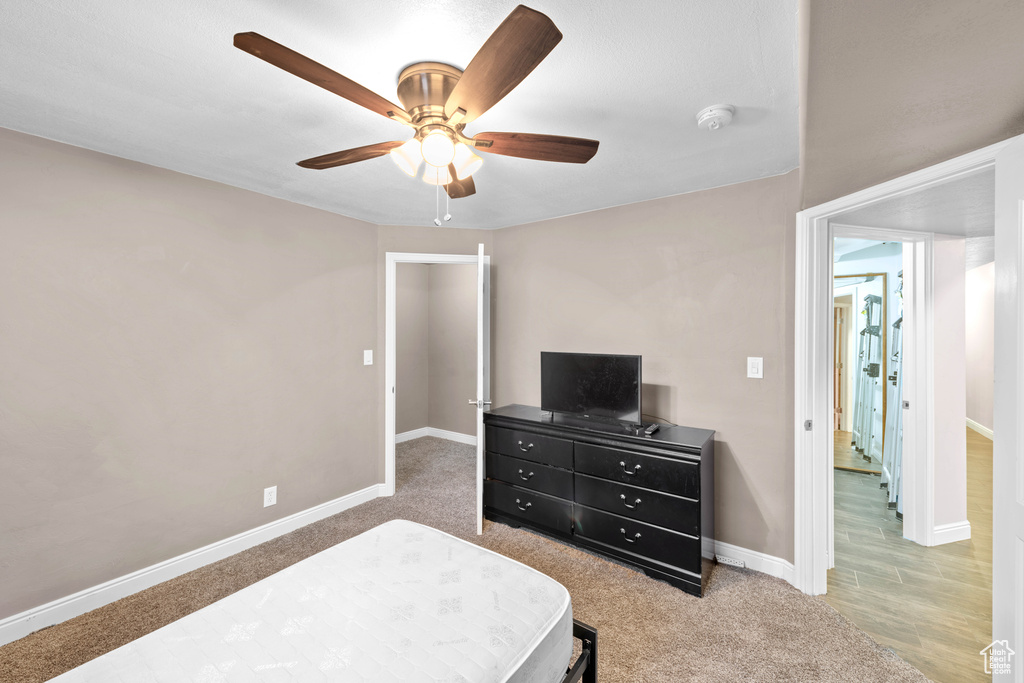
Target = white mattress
(401,602)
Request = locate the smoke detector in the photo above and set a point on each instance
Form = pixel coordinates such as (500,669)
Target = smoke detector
(716,116)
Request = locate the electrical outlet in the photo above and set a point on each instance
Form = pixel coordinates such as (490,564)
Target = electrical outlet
(270,496)
(722,559)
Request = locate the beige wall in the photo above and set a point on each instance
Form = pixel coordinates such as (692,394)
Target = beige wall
(893,87)
(169,347)
(980,342)
(412,360)
(452,344)
(435,347)
(695,283)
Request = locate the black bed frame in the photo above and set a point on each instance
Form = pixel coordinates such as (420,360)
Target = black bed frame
(584,669)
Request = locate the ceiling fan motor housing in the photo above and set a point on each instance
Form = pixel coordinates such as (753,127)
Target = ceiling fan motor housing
(423,89)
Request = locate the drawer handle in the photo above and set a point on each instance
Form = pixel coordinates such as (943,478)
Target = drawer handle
(623,497)
(527,449)
(520,506)
(527,477)
(636,536)
(622,464)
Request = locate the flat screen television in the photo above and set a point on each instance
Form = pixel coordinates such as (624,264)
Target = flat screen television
(591,385)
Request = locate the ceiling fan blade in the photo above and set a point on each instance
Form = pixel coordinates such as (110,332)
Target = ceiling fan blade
(458,189)
(540,147)
(515,49)
(314,72)
(350,156)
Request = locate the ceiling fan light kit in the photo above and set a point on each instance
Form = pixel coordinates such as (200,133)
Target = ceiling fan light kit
(408,157)
(439,100)
(466,163)
(716,116)
(438,149)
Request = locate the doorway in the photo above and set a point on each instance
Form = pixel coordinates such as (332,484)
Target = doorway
(813,383)
(482,394)
(1005,163)
(929,604)
(435,350)
(867,315)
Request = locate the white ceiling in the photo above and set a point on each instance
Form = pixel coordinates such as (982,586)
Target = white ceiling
(852,249)
(962,207)
(162,84)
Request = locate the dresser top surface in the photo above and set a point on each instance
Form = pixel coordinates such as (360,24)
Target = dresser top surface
(688,438)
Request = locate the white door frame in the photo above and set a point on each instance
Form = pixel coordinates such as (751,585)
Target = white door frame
(1008,429)
(813,368)
(392,259)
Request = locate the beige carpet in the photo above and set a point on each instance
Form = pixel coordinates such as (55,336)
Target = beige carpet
(748,627)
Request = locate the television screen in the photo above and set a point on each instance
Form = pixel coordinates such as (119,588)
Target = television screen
(594,385)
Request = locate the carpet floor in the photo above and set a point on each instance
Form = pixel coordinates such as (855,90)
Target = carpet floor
(748,627)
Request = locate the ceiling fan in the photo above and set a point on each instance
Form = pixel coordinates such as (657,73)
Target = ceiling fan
(438,100)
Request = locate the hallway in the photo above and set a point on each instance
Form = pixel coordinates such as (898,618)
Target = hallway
(932,606)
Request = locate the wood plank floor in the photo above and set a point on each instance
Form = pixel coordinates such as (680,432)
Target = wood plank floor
(932,606)
(848,459)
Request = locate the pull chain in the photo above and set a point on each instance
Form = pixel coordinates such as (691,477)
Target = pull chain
(437,198)
(447,198)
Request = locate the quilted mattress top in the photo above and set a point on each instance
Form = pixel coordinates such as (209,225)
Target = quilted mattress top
(400,602)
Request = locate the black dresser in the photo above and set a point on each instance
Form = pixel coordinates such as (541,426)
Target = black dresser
(644,501)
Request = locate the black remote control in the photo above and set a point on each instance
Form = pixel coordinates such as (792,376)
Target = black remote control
(650,430)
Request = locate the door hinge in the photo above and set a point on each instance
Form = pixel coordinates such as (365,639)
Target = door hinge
(807,425)
(906,405)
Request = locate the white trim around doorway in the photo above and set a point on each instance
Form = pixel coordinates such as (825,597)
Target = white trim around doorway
(392,259)
(813,368)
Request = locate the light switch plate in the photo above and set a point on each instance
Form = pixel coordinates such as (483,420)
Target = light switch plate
(368,357)
(755,367)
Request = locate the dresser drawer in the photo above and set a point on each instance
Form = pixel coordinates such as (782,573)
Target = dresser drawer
(672,512)
(678,477)
(530,475)
(639,538)
(547,450)
(537,509)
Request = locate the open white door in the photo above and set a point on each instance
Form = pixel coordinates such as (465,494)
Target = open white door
(1007,461)
(483,372)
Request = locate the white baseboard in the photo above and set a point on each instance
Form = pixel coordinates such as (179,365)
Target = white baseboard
(20,625)
(469,439)
(752,559)
(951,533)
(413,434)
(980,428)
